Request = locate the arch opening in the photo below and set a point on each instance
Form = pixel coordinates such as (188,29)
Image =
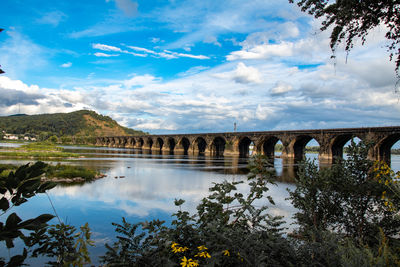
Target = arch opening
(200,144)
(338,145)
(389,149)
(218,146)
(346,146)
(159,143)
(171,145)
(246,147)
(299,146)
(140,142)
(311,149)
(132,142)
(270,146)
(185,143)
(150,143)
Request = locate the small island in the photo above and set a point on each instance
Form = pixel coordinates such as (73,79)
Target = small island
(59,173)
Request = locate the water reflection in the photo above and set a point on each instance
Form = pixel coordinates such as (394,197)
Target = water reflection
(151,183)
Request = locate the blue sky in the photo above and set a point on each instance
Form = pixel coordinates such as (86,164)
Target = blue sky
(190,66)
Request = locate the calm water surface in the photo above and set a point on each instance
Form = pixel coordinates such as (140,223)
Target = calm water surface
(142,186)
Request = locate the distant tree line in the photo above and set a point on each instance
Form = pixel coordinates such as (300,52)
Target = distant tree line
(63,126)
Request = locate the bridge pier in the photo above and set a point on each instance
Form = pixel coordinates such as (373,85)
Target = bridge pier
(331,142)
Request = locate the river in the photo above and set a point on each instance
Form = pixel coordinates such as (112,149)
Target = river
(142,186)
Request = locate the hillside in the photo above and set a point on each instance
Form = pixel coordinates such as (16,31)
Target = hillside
(78,123)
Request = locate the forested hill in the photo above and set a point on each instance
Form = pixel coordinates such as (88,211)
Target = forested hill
(78,123)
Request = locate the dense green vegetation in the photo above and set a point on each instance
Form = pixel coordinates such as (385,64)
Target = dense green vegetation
(55,171)
(39,150)
(78,124)
(347,215)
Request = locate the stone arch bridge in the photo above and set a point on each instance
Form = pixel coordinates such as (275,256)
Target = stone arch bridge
(331,142)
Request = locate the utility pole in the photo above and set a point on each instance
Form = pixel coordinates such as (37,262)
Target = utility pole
(234,127)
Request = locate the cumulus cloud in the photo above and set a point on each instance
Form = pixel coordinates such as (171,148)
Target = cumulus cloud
(66,65)
(242,74)
(264,51)
(10,97)
(281,88)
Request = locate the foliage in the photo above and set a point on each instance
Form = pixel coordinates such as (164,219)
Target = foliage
(62,242)
(15,190)
(352,19)
(343,209)
(228,229)
(58,170)
(38,150)
(68,171)
(59,124)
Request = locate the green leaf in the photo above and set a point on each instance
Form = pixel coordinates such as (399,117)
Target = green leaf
(18,260)
(12,221)
(36,223)
(4,205)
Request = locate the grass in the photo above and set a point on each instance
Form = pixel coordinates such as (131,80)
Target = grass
(56,171)
(38,150)
(68,171)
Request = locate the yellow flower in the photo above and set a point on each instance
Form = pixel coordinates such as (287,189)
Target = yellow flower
(184,262)
(189,262)
(202,248)
(203,254)
(226,253)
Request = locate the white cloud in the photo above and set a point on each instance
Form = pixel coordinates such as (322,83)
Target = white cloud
(212,40)
(66,65)
(264,51)
(281,88)
(242,74)
(99,54)
(52,18)
(106,47)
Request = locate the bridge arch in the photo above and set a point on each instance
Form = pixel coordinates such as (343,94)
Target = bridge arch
(123,141)
(298,145)
(384,146)
(246,145)
(159,143)
(171,144)
(199,145)
(184,145)
(149,143)
(218,146)
(140,142)
(338,142)
(267,146)
(131,142)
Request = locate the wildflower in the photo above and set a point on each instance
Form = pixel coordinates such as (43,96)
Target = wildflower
(202,248)
(189,262)
(226,253)
(203,254)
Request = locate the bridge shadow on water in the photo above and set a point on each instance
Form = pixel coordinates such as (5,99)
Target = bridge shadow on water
(284,169)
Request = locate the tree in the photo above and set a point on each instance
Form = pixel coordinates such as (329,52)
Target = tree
(353,19)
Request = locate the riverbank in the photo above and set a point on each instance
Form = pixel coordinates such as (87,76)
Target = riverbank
(37,150)
(59,173)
